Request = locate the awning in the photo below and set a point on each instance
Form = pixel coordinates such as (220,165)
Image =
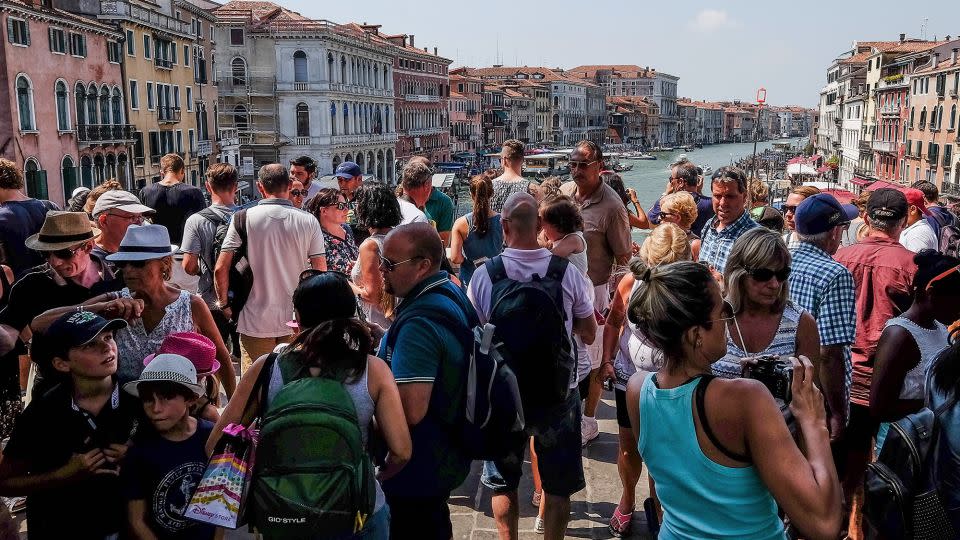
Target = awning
(501,114)
(861,181)
(883,184)
(843,196)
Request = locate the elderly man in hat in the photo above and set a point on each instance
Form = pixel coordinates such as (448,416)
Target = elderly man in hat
(114,212)
(73,275)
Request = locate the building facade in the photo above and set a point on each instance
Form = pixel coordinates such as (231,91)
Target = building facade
(932,132)
(466,127)
(64,102)
(688,128)
(665,95)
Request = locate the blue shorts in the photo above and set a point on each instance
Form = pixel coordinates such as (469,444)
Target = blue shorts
(556,439)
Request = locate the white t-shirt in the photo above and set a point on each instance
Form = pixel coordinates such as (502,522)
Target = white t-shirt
(280,241)
(919,236)
(520,265)
(410,213)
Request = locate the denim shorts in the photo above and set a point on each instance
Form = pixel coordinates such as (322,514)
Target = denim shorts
(556,439)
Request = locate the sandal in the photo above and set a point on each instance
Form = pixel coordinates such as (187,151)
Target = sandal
(537,497)
(620,523)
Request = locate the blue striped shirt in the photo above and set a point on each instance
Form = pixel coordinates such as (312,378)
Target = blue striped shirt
(715,246)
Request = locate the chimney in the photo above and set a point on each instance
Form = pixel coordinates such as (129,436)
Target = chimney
(936,60)
(435,51)
(953,56)
(903,37)
(411,40)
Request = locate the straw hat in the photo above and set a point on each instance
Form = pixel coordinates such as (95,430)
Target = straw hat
(169,368)
(61,230)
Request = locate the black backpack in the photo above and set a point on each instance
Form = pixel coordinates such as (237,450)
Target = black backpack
(490,423)
(530,326)
(901,493)
(241,277)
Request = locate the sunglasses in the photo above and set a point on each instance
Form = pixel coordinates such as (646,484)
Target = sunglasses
(135,264)
(667,214)
(310,272)
(338,205)
(575,164)
(389,266)
(64,254)
(727,313)
(298,192)
(789,208)
(766,274)
(944,275)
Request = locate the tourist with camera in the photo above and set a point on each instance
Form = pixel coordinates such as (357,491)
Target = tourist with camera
(719,451)
(766,321)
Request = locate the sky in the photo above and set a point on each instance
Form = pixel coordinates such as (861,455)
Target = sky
(720,50)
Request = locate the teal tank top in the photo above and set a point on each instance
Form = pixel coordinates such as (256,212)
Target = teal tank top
(700,498)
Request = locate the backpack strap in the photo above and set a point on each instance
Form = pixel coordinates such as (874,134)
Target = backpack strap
(240,224)
(212,216)
(698,398)
(495,269)
(258,395)
(557,268)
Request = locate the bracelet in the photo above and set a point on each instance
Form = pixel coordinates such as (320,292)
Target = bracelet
(605,362)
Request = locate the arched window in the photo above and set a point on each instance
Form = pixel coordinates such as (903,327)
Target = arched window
(303,120)
(25,104)
(300,66)
(923,118)
(240,120)
(80,96)
(111,166)
(346,120)
(68,175)
(239,70)
(376,76)
(35,179)
(99,169)
(105,105)
(92,104)
(117,108)
(63,107)
(86,171)
(343,69)
(953,117)
(329,67)
(333,120)
(912,111)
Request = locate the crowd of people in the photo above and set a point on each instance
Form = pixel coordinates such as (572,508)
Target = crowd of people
(138,315)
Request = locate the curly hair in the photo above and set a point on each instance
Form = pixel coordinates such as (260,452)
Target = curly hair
(11,177)
(562,213)
(682,204)
(377,206)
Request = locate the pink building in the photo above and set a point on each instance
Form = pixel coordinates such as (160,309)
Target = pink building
(63,118)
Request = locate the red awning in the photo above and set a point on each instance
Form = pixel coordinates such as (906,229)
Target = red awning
(843,196)
(824,169)
(861,181)
(881,184)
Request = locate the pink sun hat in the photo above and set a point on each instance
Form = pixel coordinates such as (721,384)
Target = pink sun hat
(199,349)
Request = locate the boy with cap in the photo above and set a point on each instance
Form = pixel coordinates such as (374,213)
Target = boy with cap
(66,447)
(882,272)
(918,235)
(166,463)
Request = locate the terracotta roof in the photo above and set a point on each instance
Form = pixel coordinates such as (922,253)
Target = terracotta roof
(504,72)
(383,39)
(944,64)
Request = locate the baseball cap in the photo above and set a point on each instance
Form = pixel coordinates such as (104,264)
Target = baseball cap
(348,169)
(821,212)
(915,198)
(167,368)
(118,199)
(76,329)
(769,217)
(888,203)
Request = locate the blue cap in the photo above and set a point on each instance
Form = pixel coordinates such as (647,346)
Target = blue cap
(78,328)
(821,212)
(348,169)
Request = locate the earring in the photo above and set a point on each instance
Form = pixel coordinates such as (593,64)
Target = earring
(699,343)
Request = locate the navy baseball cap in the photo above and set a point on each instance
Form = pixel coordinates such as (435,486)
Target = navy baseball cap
(77,328)
(348,169)
(822,212)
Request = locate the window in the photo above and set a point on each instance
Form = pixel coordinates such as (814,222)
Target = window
(239,70)
(155,147)
(180,140)
(953,117)
(104,105)
(78,45)
(164,53)
(236,36)
(303,120)
(186,55)
(25,104)
(134,95)
(58,41)
(189,98)
(190,138)
(138,145)
(150,96)
(300,66)
(113,52)
(18,32)
(63,113)
(146,46)
(240,117)
(131,46)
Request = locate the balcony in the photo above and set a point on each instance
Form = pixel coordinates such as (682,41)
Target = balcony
(300,86)
(364,138)
(301,141)
(90,134)
(120,9)
(204,147)
(890,147)
(890,110)
(421,98)
(168,115)
(950,188)
(163,63)
(864,146)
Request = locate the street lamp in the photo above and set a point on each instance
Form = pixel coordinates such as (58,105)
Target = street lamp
(761,99)
(838,148)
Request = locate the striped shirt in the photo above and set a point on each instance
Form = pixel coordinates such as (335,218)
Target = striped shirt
(715,246)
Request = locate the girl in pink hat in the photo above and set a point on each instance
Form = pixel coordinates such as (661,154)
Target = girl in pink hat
(202,353)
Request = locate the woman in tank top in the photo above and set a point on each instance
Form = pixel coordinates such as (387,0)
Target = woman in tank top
(766,321)
(477,236)
(910,343)
(718,450)
(333,343)
(626,350)
(379,212)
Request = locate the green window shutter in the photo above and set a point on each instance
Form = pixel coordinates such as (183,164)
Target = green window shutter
(26,26)
(9,29)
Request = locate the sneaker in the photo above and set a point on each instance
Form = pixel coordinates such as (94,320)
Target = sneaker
(589,430)
(538,525)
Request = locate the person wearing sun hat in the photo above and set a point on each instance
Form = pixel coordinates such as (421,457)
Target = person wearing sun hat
(70,440)
(146,258)
(166,462)
(202,352)
(114,212)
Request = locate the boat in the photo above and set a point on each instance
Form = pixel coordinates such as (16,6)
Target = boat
(620,167)
(708,171)
(699,145)
(546,164)
(687,148)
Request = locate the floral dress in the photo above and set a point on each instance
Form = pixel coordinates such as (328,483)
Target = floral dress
(134,343)
(342,253)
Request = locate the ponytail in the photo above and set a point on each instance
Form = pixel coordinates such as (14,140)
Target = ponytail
(481,190)
(338,347)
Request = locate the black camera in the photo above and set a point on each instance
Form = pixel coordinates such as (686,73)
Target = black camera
(774,373)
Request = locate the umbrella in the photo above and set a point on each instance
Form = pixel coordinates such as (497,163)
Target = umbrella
(799,169)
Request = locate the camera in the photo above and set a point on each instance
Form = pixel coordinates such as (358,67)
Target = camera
(774,373)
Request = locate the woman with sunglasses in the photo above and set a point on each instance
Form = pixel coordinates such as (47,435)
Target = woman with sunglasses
(910,342)
(766,321)
(333,344)
(680,209)
(330,208)
(379,212)
(719,452)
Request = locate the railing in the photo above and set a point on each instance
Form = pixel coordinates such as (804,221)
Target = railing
(104,133)
(300,86)
(426,131)
(364,138)
(168,115)
(112,9)
(890,110)
(204,147)
(884,146)
(301,141)
(864,146)
(163,63)
(421,98)
(950,188)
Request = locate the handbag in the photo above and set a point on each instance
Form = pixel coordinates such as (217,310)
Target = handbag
(221,495)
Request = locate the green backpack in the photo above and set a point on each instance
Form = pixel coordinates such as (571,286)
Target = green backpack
(312,476)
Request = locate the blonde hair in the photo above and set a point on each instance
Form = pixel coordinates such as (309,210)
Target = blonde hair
(667,243)
(682,204)
(759,247)
(759,192)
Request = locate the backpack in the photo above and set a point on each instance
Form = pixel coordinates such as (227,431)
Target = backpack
(490,422)
(312,475)
(901,497)
(241,277)
(530,326)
